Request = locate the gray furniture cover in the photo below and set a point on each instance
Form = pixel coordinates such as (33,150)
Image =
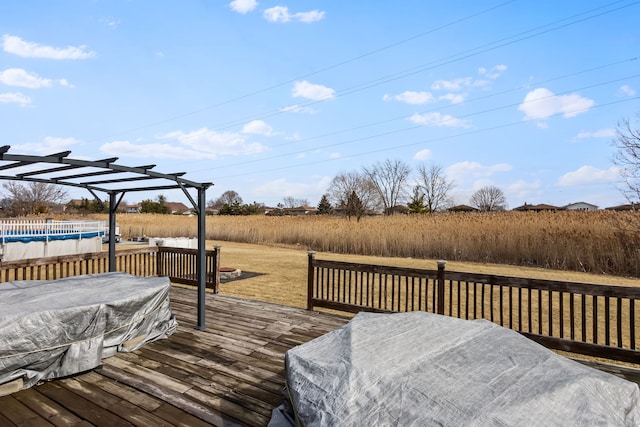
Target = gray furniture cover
(422,369)
(55,328)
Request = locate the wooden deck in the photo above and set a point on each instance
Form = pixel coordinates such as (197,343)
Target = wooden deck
(230,374)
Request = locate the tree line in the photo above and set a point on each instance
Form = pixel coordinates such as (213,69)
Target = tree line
(383,187)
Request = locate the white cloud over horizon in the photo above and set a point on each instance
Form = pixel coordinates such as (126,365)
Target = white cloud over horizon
(17,46)
(314,92)
(587,175)
(286,188)
(627,90)
(466,171)
(49,145)
(15,98)
(282,14)
(437,119)
(199,144)
(243,6)
(423,155)
(541,104)
(412,97)
(602,133)
(22,78)
(258,127)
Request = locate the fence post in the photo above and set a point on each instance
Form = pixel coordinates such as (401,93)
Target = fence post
(216,271)
(440,287)
(310,276)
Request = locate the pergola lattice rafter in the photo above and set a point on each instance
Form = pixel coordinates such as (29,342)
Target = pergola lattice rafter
(106,176)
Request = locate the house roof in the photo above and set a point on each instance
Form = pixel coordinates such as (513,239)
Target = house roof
(538,207)
(462,208)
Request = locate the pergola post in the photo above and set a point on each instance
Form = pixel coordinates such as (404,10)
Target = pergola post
(201,258)
(113,205)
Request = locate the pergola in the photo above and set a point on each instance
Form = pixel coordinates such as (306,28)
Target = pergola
(106,176)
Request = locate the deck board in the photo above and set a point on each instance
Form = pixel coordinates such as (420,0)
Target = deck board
(230,374)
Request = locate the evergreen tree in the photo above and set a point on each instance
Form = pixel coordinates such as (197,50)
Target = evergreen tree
(416,205)
(354,206)
(324,207)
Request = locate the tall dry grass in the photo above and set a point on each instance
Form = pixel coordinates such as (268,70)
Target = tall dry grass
(602,242)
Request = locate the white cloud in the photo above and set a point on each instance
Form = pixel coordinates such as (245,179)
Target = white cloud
(17,46)
(494,72)
(199,144)
(315,189)
(464,172)
(541,103)
(589,174)
(282,14)
(415,98)
(23,78)
(298,109)
(524,190)
(437,119)
(14,98)
(243,6)
(49,145)
(422,155)
(454,98)
(627,90)
(258,127)
(311,91)
(335,155)
(110,22)
(602,133)
(452,85)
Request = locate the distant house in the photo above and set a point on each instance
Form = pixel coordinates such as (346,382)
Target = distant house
(581,206)
(177,207)
(538,208)
(398,209)
(132,208)
(627,207)
(300,210)
(462,208)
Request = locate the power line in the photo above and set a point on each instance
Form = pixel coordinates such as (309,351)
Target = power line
(321,70)
(474,132)
(403,117)
(469,53)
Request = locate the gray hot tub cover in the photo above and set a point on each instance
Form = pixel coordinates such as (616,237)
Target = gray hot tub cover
(55,328)
(422,369)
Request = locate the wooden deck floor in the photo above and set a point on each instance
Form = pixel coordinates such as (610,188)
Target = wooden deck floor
(230,374)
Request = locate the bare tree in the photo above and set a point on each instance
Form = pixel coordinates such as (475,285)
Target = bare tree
(390,180)
(229,198)
(31,198)
(346,183)
(292,202)
(435,187)
(489,198)
(627,142)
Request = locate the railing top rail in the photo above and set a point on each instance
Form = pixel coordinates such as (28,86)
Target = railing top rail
(375,268)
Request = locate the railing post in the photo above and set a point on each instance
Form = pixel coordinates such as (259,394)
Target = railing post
(440,286)
(216,271)
(310,277)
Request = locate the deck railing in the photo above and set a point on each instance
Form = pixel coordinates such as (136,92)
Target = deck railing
(177,263)
(596,320)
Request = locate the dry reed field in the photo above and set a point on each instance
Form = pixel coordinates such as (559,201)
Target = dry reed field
(601,242)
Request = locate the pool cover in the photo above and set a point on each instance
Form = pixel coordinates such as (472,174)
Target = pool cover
(55,328)
(422,369)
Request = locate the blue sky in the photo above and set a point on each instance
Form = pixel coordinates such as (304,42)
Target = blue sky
(273,99)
